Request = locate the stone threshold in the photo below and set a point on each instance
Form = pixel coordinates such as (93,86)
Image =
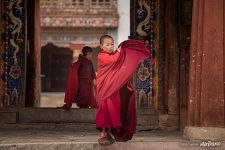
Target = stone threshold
(146,118)
(152,145)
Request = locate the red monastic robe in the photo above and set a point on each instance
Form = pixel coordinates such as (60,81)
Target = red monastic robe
(115,94)
(79,87)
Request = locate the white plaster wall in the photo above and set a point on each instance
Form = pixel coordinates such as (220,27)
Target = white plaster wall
(124,20)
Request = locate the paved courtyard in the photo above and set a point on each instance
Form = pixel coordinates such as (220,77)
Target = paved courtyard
(68,136)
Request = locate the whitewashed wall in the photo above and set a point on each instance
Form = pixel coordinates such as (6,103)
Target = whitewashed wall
(124,20)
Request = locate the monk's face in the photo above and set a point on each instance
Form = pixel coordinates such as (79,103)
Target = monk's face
(89,55)
(107,45)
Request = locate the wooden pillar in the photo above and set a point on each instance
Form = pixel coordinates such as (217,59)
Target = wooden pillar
(172,57)
(206,79)
(33,87)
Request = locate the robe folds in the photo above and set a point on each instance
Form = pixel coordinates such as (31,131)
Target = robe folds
(115,93)
(79,86)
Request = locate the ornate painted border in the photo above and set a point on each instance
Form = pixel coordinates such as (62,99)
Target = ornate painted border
(14,52)
(3,53)
(147,82)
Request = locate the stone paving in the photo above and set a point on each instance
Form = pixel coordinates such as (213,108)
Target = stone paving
(83,136)
(71,138)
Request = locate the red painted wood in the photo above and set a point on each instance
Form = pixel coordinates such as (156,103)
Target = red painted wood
(206,82)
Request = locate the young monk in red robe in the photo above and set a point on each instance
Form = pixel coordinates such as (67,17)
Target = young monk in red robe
(116,113)
(79,87)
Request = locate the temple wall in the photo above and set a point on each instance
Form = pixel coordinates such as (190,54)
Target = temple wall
(124,20)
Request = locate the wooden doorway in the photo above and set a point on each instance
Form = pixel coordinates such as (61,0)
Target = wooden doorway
(54,67)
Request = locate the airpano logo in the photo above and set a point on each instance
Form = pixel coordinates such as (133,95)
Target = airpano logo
(210,144)
(201,144)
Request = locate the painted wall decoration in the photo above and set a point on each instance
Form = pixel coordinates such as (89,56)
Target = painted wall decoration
(13,60)
(147,26)
(2,55)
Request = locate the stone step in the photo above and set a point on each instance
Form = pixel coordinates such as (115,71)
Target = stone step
(81,127)
(52,115)
(152,145)
(147,118)
(67,139)
(146,111)
(8,117)
(147,122)
(62,126)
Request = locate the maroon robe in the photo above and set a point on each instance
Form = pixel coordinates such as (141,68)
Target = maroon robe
(80,88)
(115,94)
(71,85)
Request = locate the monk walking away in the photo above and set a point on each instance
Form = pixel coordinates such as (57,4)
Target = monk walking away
(116,115)
(80,82)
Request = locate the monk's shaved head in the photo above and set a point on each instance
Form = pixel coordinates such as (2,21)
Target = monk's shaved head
(105,37)
(86,49)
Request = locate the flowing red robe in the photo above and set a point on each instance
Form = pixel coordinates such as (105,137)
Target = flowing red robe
(79,87)
(115,94)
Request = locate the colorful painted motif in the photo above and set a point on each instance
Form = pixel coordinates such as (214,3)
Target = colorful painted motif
(12,52)
(147,82)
